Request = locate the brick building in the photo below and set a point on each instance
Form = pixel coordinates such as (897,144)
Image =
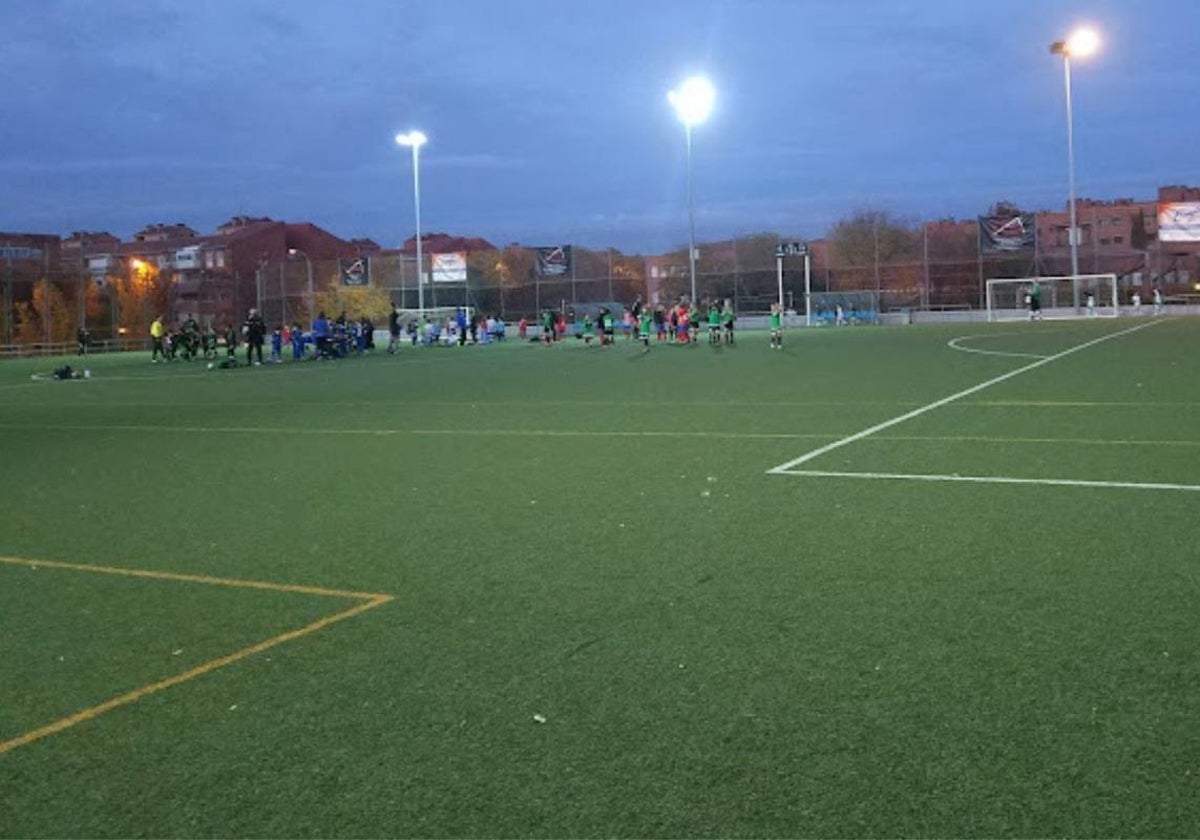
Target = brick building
(219,277)
(444,243)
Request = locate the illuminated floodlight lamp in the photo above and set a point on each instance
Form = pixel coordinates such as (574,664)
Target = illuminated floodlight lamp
(693,100)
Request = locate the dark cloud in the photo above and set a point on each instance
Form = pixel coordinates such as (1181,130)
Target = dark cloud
(549,121)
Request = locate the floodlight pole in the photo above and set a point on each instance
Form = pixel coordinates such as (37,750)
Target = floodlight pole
(417,208)
(779,273)
(1064,49)
(807,289)
(1074,235)
(691,217)
(416,139)
(692,102)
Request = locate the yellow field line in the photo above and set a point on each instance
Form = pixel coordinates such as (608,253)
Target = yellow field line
(368,602)
(186,578)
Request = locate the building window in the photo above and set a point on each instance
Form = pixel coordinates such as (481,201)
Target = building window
(1105,241)
(220,259)
(1118,240)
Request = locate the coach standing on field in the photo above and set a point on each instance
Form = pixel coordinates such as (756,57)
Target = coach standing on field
(156,340)
(255,330)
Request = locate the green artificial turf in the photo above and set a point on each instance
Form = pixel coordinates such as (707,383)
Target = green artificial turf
(609,619)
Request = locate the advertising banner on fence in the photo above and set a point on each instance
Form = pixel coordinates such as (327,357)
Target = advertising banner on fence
(1007,233)
(1179,221)
(355,272)
(554,262)
(448,268)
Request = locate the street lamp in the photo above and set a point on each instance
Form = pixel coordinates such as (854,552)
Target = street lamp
(308,264)
(415,140)
(1081,43)
(136,267)
(693,102)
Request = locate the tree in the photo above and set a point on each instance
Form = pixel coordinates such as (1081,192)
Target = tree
(871,238)
(140,298)
(47,317)
(356,301)
(628,277)
(755,268)
(1005,210)
(673,280)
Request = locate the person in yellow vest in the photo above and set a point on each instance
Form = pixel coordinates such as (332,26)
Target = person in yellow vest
(156,339)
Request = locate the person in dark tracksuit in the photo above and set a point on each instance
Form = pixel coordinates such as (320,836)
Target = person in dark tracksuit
(255,330)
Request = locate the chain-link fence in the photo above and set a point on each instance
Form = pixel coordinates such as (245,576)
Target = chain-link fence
(930,273)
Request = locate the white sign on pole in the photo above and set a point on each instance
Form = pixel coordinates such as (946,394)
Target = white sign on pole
(449,268)
(1179,221)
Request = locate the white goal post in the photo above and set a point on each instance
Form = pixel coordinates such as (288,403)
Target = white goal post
(1008,297)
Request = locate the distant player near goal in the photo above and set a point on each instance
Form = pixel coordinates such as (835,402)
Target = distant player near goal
(1035,302)
(776,327)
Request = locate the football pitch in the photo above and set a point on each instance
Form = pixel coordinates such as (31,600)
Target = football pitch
(925,580)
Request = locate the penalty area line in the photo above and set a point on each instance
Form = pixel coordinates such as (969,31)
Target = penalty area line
(895,421)
(997,479)
(366,601)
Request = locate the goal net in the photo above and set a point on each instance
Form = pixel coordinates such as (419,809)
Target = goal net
(435,314)
(1009,298)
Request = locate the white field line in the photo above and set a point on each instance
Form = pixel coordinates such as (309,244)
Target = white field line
(954,345)
(1079,404)
(981,479)
(280,431)
(895,421)
(1025,441)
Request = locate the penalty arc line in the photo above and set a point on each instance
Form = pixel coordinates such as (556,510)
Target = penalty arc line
(954,345)
(783,469)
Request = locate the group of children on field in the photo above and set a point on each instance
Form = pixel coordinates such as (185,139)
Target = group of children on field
(678,324)
(681,323)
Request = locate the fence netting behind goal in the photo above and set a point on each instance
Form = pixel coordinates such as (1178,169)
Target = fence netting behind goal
(856,307)
(1009,298)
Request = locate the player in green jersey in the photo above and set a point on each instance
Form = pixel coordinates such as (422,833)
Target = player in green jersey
(645,324)
(606,326)
(776,327)
(714,323)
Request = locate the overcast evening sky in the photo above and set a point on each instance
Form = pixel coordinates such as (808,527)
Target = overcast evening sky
(548,121)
